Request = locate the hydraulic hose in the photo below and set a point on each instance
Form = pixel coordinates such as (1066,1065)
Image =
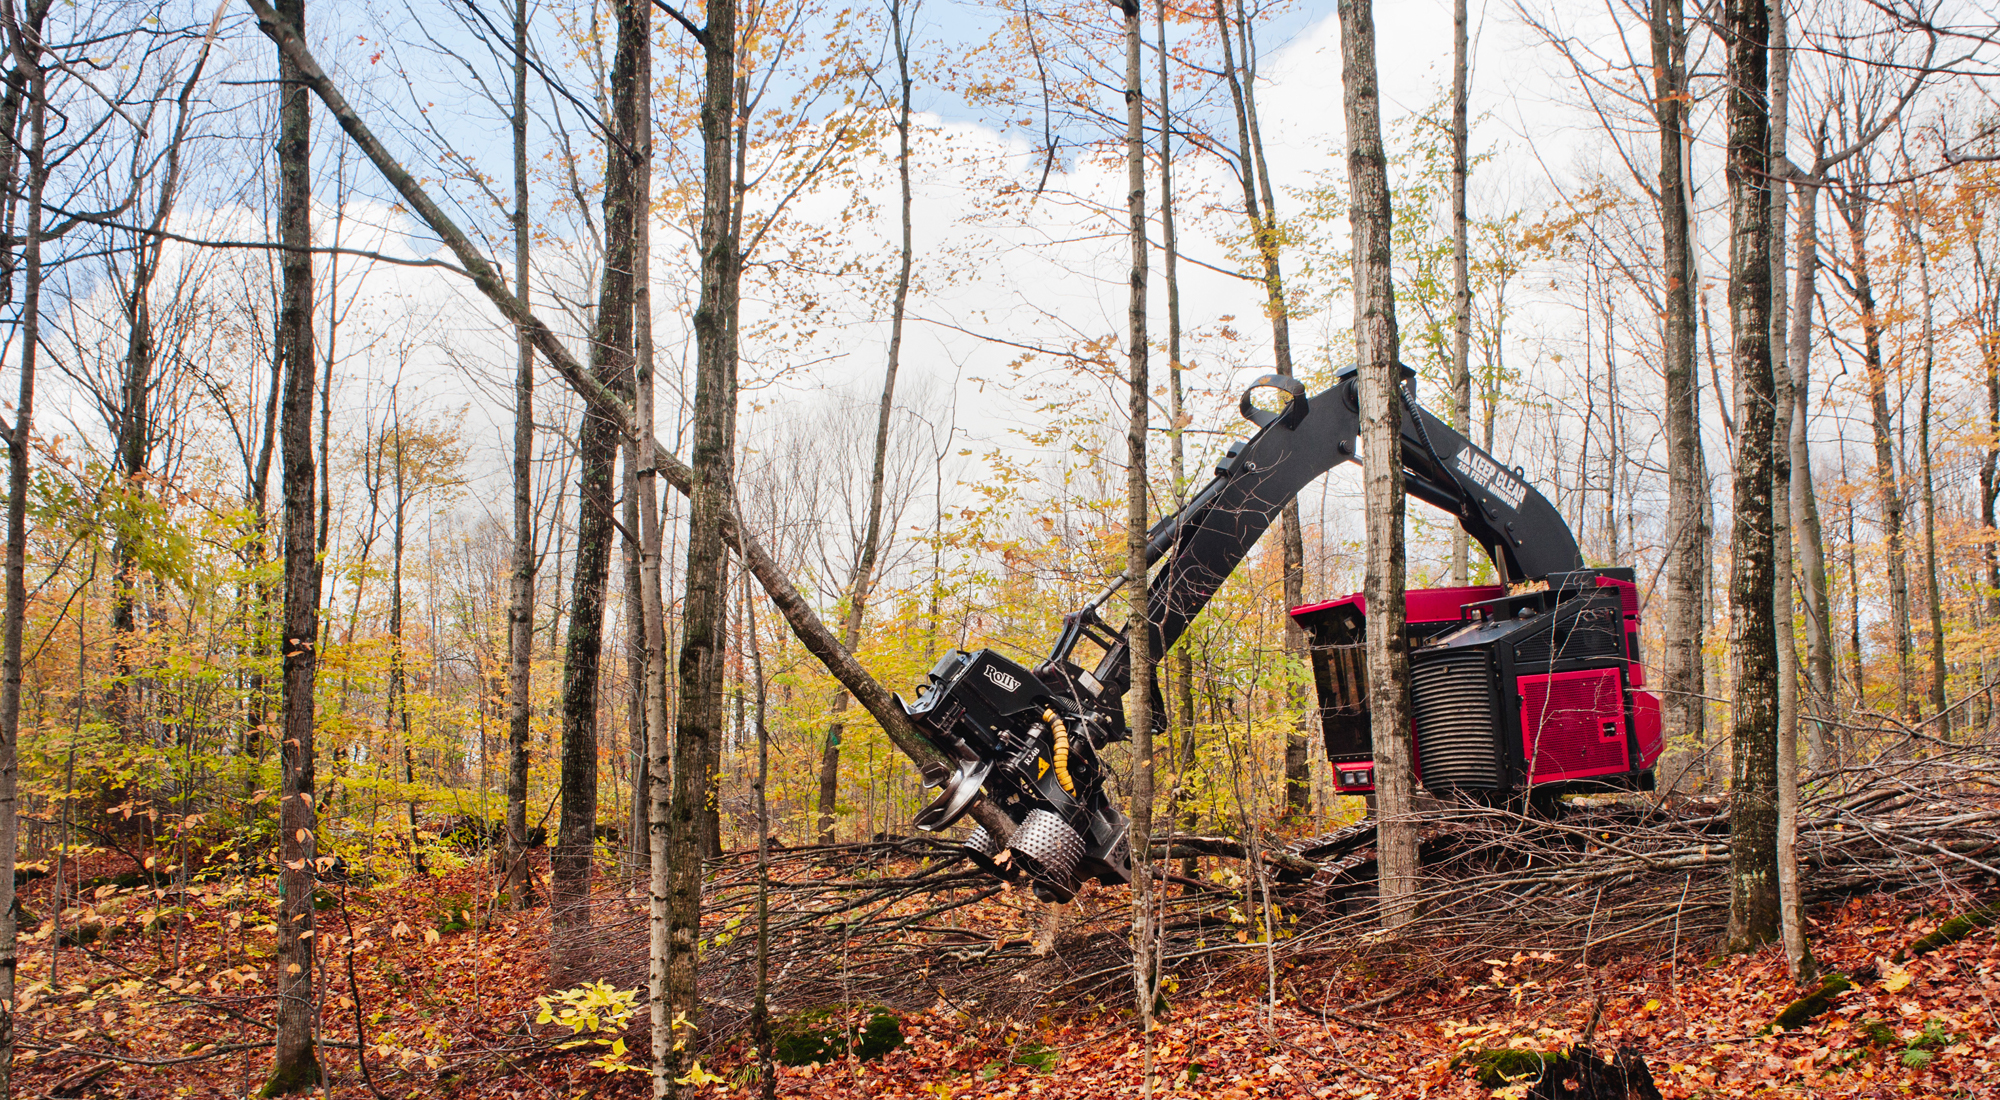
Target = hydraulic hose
(1060,734)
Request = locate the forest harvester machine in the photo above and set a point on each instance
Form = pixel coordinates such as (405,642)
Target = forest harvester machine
(1529,688)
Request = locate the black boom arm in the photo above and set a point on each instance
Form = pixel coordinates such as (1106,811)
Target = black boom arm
(1027,740)
(1204,542)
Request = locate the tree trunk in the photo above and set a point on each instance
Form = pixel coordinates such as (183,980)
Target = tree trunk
(1854,210)
(1180,666)
(1261,211)
(1683,688)
(1461,284)
(296,1067)
(1798,954)
(1931,596)
(1138,633)
(1989,466)
(1753,672)
(1807,538)
(700,666)
(597,454)
(1381,467)
(521,587)
(25,45)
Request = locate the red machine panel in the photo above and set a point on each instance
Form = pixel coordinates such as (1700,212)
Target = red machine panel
(1573,725)
(1646,717)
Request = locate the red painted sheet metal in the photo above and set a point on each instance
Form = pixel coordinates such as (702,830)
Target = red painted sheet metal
(1646,719)
(1573,725)
(1628,594)
(1424,605)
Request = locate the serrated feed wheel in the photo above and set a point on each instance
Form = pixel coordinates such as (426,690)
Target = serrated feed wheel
(1047,846)
(983,844)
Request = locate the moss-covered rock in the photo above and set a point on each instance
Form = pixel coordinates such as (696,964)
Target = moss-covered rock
(1956,929)
(827,1034)
(1500,1066)
(1814,1004)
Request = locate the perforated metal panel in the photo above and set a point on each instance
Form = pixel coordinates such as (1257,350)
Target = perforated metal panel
(1458,729)
(1573,725)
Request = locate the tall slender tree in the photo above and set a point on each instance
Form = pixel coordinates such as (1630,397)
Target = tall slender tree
(26,102)
(1753,672)
(1461,283)
(698,722)
(1684,694)
(521,578)
(1375,346)
(1139,631)
(611,352)
(296,1066)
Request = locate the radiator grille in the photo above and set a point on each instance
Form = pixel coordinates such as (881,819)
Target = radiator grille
(1458,728)
(1584,628)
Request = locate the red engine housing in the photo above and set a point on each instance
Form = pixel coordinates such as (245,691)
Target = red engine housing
(1540,689)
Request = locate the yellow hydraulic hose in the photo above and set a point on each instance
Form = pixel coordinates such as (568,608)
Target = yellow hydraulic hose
(1061,737)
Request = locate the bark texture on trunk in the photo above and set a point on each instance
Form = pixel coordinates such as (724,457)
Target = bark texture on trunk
(699,722)
(1139,635)
(1932,599)
(1683,688)
(296,1066)
(1461,283)
(570,861)
(1808,543)
(1753,659)
(1382,466)
(1798,955)
(1180,666)
(521,579)
(27,90)
(1854,210)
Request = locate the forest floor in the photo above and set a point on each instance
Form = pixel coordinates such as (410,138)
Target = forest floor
(169,996)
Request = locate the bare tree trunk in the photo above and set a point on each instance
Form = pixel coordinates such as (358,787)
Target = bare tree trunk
(1791,904)
(1180,666)
(700,716)
(1854,210)
(1753,911)
(1139,632)
(632,546)
(1382,467)
(1931,596)
(1988,297)
(1683,688)
(521,588)
(1461,284)
(863,580)
(1259,208)
(397,717)
(296,1066)
(25,44)
(1807,537)
(760,1003)
(597,444)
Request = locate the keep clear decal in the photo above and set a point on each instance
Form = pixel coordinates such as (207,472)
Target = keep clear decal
(1492,477)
